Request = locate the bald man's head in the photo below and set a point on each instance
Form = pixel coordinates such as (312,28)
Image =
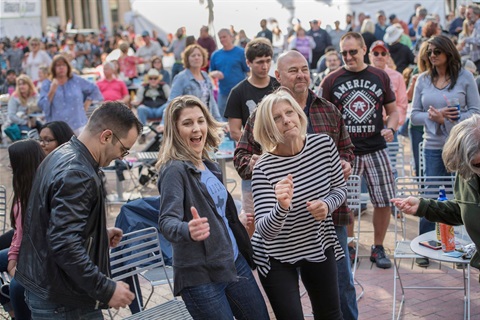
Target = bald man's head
(293,72)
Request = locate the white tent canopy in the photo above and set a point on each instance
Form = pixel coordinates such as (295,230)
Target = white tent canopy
(167,15)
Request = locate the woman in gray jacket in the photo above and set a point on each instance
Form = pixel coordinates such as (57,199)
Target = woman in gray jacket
(212,253)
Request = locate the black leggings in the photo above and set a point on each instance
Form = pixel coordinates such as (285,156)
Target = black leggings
(320,281)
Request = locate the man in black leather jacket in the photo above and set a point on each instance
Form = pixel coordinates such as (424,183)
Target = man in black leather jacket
(63,262)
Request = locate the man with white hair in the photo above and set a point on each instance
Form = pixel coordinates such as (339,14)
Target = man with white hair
(112,88)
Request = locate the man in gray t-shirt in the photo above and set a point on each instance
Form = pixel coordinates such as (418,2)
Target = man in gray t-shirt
(150,49)
(14,57)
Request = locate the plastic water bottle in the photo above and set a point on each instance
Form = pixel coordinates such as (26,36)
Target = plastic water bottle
(442,196)
(447,234)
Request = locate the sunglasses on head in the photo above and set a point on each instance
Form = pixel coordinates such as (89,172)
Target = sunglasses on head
(351,52)
(152,78)
(436,52)
(376,53)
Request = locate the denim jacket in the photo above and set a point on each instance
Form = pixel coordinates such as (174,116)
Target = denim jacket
(185,83)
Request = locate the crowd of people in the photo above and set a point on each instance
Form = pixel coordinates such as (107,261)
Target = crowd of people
(337,98)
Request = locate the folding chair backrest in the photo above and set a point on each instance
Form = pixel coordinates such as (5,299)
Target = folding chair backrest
(354,201)
(421,159)
(138,252)
(397,157)
(3,208)
(424,187)
(354,191)
(33,134)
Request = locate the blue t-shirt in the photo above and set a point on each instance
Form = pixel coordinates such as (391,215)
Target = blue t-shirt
(219,195)
(233,66)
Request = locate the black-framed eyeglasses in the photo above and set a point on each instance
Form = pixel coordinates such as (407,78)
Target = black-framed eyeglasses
(125,151)
(436,52)
(46,141)
(351,52)
(376,53)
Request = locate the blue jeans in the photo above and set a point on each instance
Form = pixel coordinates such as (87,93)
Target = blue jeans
(346,289)
(145,113)
(17,298)
(4,260)
(433,167)
(225,300)
(222,104)
(176,69)
(45,310)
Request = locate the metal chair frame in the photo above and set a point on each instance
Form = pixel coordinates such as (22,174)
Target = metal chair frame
(139,253)
(425,187)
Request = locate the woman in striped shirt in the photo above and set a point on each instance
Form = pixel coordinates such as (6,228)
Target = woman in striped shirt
(296,185)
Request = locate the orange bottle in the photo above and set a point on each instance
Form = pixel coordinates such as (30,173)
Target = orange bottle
(448,237)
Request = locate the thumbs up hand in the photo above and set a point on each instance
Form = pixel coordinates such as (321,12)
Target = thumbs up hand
(198,227)
(284,192)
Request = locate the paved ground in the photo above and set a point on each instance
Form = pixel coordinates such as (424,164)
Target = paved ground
(378,284)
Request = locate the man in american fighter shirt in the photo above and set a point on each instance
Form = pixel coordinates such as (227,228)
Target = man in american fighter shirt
(361,92)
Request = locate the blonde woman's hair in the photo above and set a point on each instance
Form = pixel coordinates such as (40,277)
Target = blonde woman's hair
(462,145)
(31,89)
(173,146)
(265,130)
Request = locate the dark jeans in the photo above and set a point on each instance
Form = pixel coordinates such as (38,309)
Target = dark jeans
(319,279)
(225,300)
(6,239)
(17,298)
(346,288)
(45,310)
(176,69)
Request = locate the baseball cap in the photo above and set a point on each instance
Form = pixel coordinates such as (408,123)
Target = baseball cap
(378,44)
(145,33)
(392,16)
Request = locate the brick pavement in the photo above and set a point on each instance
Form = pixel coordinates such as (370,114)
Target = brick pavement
(377,300)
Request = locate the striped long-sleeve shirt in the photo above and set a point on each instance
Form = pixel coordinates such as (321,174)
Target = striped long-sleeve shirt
(292,235)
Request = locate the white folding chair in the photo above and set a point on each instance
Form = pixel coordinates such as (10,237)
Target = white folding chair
(397,158)
(139,253)
(421,159)
(425,187)
(3,208)
(354,194)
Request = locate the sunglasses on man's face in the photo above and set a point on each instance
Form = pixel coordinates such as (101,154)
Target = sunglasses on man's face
(376,53)
(351,52)
(436,52)
(153,78)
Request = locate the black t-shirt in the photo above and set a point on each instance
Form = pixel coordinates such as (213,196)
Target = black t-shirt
(360,96)
(244,97)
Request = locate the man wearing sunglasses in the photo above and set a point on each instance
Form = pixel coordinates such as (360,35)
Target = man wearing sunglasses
(362,92)
(379,57)
(64,263)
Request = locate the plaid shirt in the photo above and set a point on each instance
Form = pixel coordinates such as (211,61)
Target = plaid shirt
(325,118)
